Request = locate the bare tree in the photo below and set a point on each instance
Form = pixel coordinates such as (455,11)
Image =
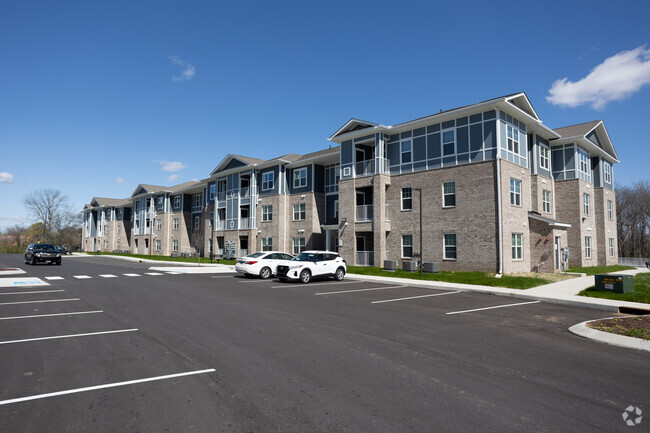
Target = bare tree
(633,220)
(18,233)
(51,207)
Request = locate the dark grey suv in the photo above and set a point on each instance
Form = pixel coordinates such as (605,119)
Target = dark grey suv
(42,253)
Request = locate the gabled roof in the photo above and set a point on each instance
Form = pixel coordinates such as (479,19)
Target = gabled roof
(108,202)
(592,135)
(244,160)
(353,125)
(182,186)
(147,189)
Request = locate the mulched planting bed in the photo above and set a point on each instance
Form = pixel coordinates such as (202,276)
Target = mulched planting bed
(636,326)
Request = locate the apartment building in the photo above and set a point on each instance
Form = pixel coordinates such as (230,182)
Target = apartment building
(497,190)
(106,225)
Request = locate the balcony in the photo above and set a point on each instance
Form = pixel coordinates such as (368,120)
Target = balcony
(364,213)
(220,225)
(369,167)
(365,258)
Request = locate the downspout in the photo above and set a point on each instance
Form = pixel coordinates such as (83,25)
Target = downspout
(282,186)
(499,217)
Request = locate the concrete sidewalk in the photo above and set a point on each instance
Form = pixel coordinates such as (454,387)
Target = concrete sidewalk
(562,292)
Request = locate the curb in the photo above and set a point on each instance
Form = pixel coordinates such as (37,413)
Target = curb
(582,330)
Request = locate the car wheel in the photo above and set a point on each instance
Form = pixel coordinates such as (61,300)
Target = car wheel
(26,261)
(265,272)
(58,262)
(305,276)
(33,261)
(339,274)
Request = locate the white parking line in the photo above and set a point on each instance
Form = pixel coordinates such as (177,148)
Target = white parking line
(415,297)
(319,284)
(51,315)
(107,385)
(56,337)
(492,308)
(132,275)
(108,276)
(173,273)
(54,278)
(358,290)
(82,277)
(153,273)
(26,293)
(39,302)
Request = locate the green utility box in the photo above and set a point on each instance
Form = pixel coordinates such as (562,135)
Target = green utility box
(615,283)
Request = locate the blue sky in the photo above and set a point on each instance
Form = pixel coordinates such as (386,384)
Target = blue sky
(97,97)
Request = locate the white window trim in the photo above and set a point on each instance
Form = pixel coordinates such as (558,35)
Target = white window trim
(336,209)
(610,210)
(516,194)
(444,247)
(442,142)
(402,199)
(270,181)
(403,152)
(265,215)
(544,157)
(213,189)
(444,195)
(587,247)
(298,178)
(608,172)
(586,203)
(546,203)
(402,247)
(176,223)
(519,247)
(300,211)
(611,247)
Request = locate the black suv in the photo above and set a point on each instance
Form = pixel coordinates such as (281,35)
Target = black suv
(42,253)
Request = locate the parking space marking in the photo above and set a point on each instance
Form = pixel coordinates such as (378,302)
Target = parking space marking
(54,278)
(105,386)
(319,284)
(415,297)
(358,290)
(51,315)
(56,337)
(40,302)
(27,293)
(492,308)
(82,277)
(132,275)
(173,273)
(153,273)
(108,276)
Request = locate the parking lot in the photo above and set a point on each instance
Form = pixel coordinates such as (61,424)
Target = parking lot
(100,344)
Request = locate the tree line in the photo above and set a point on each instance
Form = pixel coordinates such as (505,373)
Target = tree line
(57,223)
(633,219)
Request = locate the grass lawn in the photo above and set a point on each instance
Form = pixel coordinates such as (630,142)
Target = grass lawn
(641,291)
(480,278)
(638,326)
(171,259)
(593,270)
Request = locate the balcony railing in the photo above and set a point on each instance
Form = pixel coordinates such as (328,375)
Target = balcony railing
(369,167)
(220,225)
(220,196)
(365,258)
(364,213)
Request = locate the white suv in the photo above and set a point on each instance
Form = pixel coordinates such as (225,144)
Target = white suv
(309,264)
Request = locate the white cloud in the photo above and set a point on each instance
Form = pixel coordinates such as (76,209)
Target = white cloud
(188,69)
(6,177)
(617,78)
(119,180)
(171,166)
(172,178)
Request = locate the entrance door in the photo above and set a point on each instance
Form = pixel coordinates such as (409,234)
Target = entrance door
(146,246)
(558,253)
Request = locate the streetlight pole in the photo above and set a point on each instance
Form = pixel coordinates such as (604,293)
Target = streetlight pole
(419,190)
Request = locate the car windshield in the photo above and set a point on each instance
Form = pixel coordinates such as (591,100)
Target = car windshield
(305,257)
(39,247)
(256,255)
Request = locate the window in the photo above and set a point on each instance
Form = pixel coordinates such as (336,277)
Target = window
(119,229)
(159,224)
(611,247)
(300,177)
(517,249)
(449,194)
(407,245)
(159,202)
(515,192)
(196,200)
(546,201)
(543,157)
(448,142)
(267,213)
(267,244)
(588,247)
(298,245)
(117,244)
(176,223)
(585,203)
(158,244)
(608,172)
(299,212)
(105,229)
(513,140)
(118,214)
(583,167)
(177,202)
(610,210)
(175,245)
(450,246)
(406,152)
(213,189)
(267,181)
(106,245)
(211,219)
(197,222)
(336,209)
(407,198)
(148,203)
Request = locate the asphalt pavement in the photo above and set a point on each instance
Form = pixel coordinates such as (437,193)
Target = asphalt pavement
(128,348)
